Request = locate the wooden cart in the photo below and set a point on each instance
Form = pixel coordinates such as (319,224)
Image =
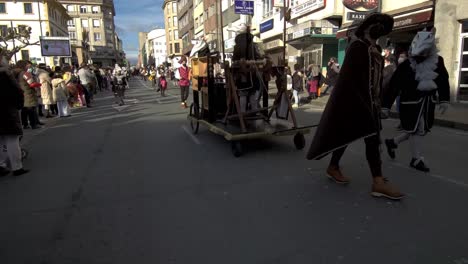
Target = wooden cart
(216,106)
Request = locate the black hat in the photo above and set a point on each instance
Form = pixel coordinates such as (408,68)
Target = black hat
(375,18)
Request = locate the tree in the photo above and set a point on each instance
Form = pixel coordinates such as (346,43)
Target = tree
(15,40)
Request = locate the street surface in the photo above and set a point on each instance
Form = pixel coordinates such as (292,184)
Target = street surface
(131,184)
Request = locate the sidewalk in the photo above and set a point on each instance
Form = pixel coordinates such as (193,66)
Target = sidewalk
(456,116)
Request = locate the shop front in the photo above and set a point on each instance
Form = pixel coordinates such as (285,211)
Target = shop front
(312,42)
(408,21)
(274,49)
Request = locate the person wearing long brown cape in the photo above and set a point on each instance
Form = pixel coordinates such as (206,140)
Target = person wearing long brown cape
(353,110)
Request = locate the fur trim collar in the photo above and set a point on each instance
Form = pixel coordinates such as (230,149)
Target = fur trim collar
(425,71)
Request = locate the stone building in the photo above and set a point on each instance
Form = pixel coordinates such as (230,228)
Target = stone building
(451,21)
(92,30)
(45,18)
(171,25)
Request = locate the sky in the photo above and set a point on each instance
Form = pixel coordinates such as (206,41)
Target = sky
(133,16)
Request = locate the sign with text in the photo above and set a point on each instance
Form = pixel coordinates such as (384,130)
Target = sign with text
(55,47)
(266,26)
(302,7)
(244,7)
(356,15)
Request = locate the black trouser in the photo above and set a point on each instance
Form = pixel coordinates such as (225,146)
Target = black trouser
(372,155)
(54,109)
(29,116)
(184,93)
(87,95)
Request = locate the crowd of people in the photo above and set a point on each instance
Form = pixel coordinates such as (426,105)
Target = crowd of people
(33,93)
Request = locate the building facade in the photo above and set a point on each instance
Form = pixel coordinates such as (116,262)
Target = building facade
(451,21)
(45,18)
(92,30)
(186,24)
(156,46)
(198,19)
(171,24)
(142,54)
(211,17)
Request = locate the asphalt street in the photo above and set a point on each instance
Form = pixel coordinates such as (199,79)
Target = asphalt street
(131,184)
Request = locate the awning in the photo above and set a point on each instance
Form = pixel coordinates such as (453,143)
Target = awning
(402,21)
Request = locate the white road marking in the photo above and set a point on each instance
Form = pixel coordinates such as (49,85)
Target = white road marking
(435,176)
(194,139)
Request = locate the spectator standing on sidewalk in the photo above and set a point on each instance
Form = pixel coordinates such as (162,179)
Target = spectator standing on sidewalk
(297,84)
(11,102)
(30,87)
(60,95)
(352,112)
(86,78)
(184,82)
(333,70)
(46,91)
(421,81)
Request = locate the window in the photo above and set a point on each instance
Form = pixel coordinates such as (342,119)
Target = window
(71,23)
(96,23)
(3,30)
(170,47)
(174,20)
(2,8)
(84,23)
(177,47)
(70,8)
(83,9)
(174,8)
(72,34)
(170,35)
(25,54)
(169,22)
(97,37)
(95,9)
(211,10)
(176,34)
(268,8)
(28,8)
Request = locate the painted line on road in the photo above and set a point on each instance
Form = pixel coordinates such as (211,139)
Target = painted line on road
(435,176)
(194,139)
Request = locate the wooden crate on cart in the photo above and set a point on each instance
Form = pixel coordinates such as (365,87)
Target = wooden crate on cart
(200,67)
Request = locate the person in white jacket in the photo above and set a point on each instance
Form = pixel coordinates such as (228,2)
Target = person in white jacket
(60,95)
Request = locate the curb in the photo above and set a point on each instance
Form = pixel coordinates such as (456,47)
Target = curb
(440,122)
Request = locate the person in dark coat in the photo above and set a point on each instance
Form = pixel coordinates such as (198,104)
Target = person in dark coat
(11,102)
(422,81)
(353,110)
(333,70)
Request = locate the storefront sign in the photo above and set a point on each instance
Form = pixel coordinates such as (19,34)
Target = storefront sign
(266,26)
(401,21)
(244,7)
(303,7)
(412,18)
(274,44)
(356,15)
(362,5)
(278,3)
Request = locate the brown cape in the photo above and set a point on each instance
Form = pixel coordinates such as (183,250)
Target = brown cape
(349,114)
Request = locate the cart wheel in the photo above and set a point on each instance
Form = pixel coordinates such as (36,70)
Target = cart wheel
(194,124)
(299,141)
(236,149)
